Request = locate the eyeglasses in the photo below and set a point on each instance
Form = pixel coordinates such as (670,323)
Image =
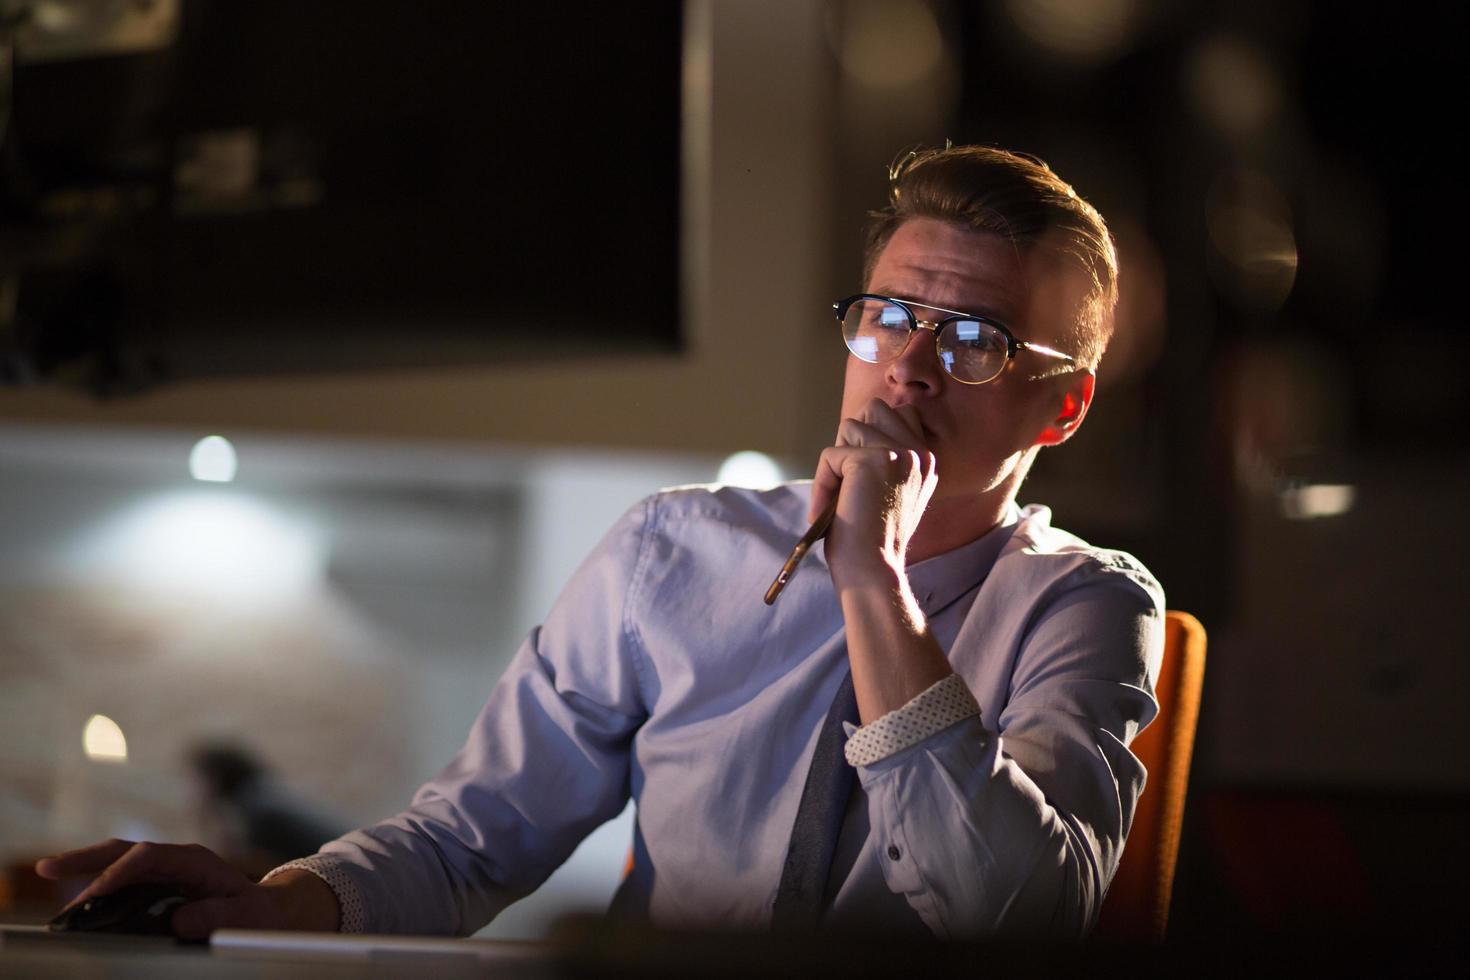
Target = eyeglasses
(973,349)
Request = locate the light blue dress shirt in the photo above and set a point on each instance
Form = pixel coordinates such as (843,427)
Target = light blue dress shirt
(660,674)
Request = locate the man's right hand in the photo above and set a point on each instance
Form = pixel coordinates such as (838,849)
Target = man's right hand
(883,475)
(221,897)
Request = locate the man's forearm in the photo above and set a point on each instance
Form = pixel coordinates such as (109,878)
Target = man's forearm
(893,654)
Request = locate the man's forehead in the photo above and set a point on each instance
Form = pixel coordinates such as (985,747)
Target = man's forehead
(930,262)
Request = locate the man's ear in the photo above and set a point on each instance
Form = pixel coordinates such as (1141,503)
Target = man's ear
(1076,397)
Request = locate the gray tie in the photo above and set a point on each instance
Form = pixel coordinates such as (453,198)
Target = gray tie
(801,896)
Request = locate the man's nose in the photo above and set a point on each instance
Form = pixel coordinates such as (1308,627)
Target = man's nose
(918,366)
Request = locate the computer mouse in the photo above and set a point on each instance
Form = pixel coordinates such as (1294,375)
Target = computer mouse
(146,910)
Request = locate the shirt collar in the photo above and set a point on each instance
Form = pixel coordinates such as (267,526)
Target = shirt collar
(936,582)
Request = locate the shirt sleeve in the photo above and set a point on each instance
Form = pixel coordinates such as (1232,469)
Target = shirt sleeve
(927,713)
(1017,827)
(545,763)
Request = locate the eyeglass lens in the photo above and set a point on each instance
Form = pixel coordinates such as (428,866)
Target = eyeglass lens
(970,350)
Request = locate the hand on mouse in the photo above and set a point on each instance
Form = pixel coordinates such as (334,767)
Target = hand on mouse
(220,896)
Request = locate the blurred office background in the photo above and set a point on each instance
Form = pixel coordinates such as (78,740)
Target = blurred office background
(457,285)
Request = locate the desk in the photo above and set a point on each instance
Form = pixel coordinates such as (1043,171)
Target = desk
(34,952)
(597,949)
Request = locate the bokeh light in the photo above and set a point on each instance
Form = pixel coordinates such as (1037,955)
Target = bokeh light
(213,460)
(1317,500)
(1086,31)
(231,547)
(1234,86)
(103,740)
(1254,253)
(889,43)
(750,469)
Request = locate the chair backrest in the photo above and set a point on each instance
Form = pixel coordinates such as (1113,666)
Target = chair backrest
(1137,905)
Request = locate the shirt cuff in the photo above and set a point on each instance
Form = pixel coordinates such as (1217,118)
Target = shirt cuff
(938,706)
(351,915)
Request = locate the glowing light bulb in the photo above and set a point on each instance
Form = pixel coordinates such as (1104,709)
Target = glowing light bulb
(750,469)
(213,460)
(103,740)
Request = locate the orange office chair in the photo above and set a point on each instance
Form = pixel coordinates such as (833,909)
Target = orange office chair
(1137,905)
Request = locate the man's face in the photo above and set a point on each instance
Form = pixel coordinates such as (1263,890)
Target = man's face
(980,434)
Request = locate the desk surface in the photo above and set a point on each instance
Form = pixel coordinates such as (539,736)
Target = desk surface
(597,949)
(28,951)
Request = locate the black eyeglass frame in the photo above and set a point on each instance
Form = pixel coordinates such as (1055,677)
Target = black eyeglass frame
(915,324)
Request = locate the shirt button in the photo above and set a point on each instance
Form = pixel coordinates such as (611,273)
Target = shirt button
(894,853)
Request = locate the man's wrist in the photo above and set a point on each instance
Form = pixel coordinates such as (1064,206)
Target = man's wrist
(880,595)
(875,576)
(307,901)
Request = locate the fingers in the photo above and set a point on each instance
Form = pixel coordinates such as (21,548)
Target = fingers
(828,478)
(855,434)
(852,432)
(902,422)
(878,426)
(82,861)
(889,467)
(196,870)
(837,462)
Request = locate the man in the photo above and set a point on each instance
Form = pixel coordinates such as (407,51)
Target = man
(999,667)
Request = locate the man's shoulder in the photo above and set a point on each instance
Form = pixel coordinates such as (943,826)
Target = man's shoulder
(711,542)
(780,509)
(1054,557)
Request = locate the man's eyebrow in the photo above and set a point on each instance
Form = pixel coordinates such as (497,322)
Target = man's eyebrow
(988,312)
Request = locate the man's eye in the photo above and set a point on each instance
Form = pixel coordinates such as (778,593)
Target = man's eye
(977,336)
